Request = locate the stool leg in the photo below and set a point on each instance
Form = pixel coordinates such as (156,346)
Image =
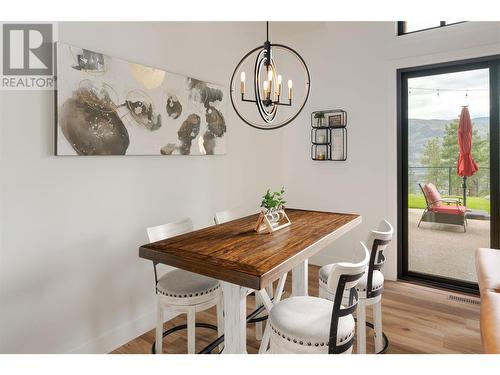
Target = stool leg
(377,325)
(258,325)
(361,326)
(220,321)
(159,328)
(191,330)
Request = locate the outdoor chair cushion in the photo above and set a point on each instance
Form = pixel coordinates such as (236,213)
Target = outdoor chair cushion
(450,210)
(432,194)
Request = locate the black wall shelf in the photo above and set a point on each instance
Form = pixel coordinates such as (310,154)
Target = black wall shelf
(329,135)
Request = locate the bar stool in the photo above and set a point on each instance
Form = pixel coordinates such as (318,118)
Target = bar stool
(370,288)
(312,325)
(221,217)
(183,292)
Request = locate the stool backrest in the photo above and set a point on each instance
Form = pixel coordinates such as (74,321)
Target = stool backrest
(168,230)
(164,231)
(378,241)
(345,268)
(222,217)
(344,276)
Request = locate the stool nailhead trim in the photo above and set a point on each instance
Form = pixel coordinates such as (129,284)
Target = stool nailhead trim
(208,291)
(308,343)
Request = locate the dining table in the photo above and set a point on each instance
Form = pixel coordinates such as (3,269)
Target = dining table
(245,260)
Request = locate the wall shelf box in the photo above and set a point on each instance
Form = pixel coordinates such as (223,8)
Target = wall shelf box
(329,135)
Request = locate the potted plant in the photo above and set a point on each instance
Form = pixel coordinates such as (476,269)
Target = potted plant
(320,116)
(273,205)
(273,216)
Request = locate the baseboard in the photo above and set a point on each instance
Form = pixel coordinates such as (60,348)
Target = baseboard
(119,336)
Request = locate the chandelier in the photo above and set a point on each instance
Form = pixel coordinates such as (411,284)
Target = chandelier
(269,95)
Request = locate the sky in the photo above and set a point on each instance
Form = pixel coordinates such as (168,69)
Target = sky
(427,104)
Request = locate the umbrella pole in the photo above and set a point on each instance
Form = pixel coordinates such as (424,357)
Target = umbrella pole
(464,186)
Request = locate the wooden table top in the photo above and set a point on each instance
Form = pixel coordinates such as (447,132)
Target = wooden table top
(235,253)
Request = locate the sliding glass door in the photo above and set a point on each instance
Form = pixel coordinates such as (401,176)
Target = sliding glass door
(448,162)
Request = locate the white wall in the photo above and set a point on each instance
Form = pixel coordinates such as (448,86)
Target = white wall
(70,227)
(70,276)
(353,66)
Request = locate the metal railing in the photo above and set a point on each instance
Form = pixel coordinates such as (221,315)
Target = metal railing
(447,181)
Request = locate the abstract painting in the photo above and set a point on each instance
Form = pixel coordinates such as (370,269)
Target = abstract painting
(109,106)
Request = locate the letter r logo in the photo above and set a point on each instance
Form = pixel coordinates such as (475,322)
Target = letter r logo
(27,49)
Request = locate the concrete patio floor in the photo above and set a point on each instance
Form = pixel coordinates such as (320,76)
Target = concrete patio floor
(445,250)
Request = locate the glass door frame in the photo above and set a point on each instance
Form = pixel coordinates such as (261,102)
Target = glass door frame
(493,64)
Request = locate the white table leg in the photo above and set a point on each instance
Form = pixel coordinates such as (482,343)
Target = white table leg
(300,280)
(266,301)
(258,303)
(235,325)
(258,325)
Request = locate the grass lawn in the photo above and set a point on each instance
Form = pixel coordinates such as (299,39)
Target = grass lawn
(475,203)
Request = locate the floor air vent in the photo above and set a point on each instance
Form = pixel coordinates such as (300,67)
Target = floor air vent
(469,301)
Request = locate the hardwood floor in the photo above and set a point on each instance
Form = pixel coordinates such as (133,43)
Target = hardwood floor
(416,319)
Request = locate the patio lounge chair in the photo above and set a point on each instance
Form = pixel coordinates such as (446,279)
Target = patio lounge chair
(442,210)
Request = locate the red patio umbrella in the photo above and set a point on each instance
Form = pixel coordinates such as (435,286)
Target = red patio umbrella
(466,166)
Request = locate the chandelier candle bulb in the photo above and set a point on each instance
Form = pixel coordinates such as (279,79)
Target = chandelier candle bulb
(242,86)
(279,84)
(290,89)
(270,79)
(265,88)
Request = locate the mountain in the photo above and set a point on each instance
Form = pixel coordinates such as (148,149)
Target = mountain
(420,131)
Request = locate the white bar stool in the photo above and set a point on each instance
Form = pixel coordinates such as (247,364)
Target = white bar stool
(370,287)
(183,292)
(312,325)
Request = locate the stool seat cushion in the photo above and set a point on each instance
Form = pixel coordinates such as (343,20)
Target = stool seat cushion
(377,281)
(306,321)
(324,272)
(183,284)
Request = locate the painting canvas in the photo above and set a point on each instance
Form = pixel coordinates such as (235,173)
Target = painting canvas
(108,106)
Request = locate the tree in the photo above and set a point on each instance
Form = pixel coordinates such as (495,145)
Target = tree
(432,158)
(450,155)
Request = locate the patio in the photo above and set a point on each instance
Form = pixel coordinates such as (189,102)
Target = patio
(445,250)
